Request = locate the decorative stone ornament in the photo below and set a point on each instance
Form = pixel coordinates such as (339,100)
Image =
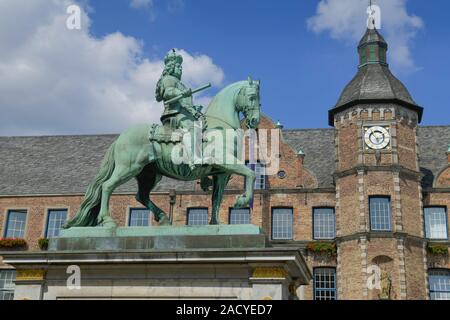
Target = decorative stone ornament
(377,138)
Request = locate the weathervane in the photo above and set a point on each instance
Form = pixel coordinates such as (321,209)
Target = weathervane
(374,19)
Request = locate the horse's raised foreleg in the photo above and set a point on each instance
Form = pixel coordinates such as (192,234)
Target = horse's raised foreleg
(244,200)
(219,184)
(147,180)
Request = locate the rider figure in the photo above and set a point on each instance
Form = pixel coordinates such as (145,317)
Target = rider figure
(180,114)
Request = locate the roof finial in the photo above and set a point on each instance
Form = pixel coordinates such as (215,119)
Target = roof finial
(279,125)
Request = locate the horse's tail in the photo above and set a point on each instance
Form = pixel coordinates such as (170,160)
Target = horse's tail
(90,207)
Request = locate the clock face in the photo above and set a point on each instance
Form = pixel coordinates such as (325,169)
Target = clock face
(377,138)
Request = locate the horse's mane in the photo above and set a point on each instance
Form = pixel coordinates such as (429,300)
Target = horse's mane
(225,96)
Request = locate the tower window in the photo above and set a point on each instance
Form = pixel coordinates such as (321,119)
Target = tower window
(324,284)
(380,213)
(435,223)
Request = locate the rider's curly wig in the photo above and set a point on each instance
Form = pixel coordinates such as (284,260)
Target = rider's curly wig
(169,70)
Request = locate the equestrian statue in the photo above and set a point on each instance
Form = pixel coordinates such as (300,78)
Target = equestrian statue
(148,152)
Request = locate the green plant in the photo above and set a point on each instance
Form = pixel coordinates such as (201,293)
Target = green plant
(439,249)
(12,243)
(43,243)
(327,248)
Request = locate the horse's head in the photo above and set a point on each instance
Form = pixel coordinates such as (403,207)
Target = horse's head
(250,104)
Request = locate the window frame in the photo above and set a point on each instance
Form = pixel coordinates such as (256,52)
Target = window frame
(197,208)
(263,165)
(314,223)
(249,215)
(150,213)
(335,289)
(390,213)
(428,279)
(425,222)
(48,219)
(8,212)
(271,223)
(11,290)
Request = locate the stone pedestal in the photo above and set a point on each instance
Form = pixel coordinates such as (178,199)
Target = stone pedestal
(218,265)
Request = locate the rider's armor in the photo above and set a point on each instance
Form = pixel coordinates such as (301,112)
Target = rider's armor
(182,113)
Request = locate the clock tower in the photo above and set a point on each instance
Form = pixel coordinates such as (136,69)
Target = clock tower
(381,246)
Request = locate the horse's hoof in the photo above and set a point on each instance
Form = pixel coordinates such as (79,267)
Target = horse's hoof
(214,223)
(241,202)
(107,222)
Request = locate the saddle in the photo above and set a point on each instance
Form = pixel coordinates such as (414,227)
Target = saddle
(164,134)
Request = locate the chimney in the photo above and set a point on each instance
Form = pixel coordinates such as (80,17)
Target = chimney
(301,159)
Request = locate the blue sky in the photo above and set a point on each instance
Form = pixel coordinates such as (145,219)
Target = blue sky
(302,72)
(101,79)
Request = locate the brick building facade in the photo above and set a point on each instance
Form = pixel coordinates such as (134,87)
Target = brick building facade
(367,199)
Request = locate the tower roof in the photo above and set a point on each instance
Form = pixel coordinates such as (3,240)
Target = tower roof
(372,36)
(374,82)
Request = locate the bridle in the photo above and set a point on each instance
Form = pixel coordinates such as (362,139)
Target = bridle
(239,108)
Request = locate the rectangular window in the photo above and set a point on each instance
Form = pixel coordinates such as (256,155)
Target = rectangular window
(380,213)
(439,282)
(260,172)
(435,223)
(55,221)
(15,224)
(239,216)
(282,219)
(7,278)
(324,284)
(197,216)
(139,217)
(324,222)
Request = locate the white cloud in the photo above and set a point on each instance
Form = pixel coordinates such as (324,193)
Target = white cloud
(59,81)
(346,20)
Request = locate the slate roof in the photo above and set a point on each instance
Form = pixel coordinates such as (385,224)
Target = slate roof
(66,164)
(372,82)
(372,36)
(433,142)
(318,146)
